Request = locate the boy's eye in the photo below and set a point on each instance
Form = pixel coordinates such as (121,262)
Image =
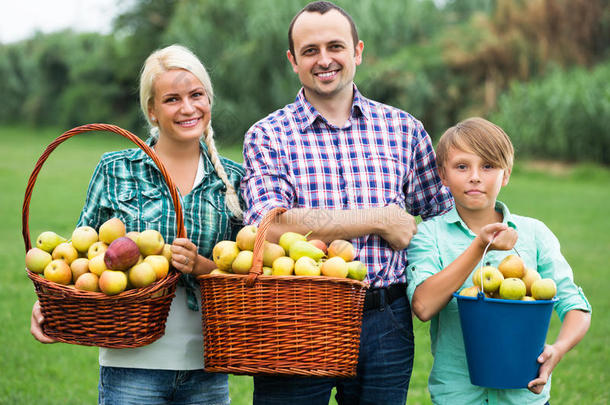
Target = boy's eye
(488,166)
(461,166)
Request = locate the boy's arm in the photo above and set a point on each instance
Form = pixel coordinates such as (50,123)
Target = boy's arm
(573,329)
(431,296)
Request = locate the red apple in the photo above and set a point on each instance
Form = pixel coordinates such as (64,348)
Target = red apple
(122,254)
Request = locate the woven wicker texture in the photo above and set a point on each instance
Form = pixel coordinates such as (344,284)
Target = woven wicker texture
(291,325)
(131,319)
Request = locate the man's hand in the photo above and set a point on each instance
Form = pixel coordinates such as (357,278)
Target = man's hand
(396,226)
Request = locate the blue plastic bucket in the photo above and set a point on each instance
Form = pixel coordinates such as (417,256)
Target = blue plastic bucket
(503,339)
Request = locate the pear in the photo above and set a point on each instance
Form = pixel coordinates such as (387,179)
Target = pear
(302,248)
(48,241)
(288,238)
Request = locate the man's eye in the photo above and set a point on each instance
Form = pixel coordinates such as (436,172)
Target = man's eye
(309,51)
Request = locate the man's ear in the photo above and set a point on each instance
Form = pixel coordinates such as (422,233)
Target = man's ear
(292,61)
(506,177)
(358,52)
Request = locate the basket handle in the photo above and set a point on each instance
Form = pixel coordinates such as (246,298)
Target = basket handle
(88,128)
(261,234)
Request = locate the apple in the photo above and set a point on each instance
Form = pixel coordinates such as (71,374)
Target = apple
(37,259)
(272,251)
(48,240)
(122,254)
(159,264)
(245,237)
(112,229)
(88,282)
(302,248)
(282,266)
(243,262)
(320,244)
(150,242)
(133,235)
(142,275)
(167,252)
(544,289)
(66,252)
(83,237)
(512,267)
(528,298)
(512,288)
(341,248)
(472,291)
(224,253)
(306,266)
(267,271)
(96,248)
(113,282)
(492,279)
(356,270)
(288,238)
(79,267)
(334,267)
(218,271)
(529,278)
(58,271)
(97,265)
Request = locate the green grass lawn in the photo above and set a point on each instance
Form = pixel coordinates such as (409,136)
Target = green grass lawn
(573,205)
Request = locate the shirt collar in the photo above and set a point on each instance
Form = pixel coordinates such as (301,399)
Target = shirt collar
(306,113)
(453,217)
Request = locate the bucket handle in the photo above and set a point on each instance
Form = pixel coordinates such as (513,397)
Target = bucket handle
(482,292)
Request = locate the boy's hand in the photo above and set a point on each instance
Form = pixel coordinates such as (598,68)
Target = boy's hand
(548,360)
(36,325)
(504,237)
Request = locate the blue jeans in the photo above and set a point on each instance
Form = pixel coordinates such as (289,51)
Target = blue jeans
(126,386)
(384,367)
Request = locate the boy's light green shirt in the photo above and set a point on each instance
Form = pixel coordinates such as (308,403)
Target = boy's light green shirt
(438,242)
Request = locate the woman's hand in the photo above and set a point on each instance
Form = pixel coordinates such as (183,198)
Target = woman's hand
(184,255)
(36,325)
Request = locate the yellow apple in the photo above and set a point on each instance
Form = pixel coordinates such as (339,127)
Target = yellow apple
(112,229)
(544,289)
(267,271)
(242,262)
(342,248)
(512,288)
(65,251)
(306,266)
(142,275)
(167,252)
(48,240)
(150,242)
(356,270)
(97,265)
(272,251)
(79,267)
(334,267)
(529,278)
(87,282)
(512,267)
(133,235)
(472,291)
(528,298)
(224,253)
(245,237)
(37,259)
(58,271)
(83,237)
(218,271)
(159,264)
(96,248)
(113,282)
(492,279)
(282,266)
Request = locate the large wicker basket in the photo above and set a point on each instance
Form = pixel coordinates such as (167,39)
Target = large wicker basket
(291,325)
(130,319)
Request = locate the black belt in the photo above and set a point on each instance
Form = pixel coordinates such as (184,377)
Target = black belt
(378,297)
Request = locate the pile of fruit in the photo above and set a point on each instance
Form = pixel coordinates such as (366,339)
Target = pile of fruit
(110,261)
(511,280)
(294,255)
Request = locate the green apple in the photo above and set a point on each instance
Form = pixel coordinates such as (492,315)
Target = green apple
(336,266)
(512,288)
(112,229)
(79,267)
(243,262)
(306,266)
(302,248)
(141,275)
(472,291)
(245,237)
(87,282)
(282,266)
(97,248)
(341,248)
(272,251)
(267,271)
(83,237)
(356,270)
(224,253)
(529,278)
(48,240)
(544,289)
(113,282)
(37,259)
(160,265)
(512,267)
(58,271)
(528,298)
(65,251)
(288,238)
(150,242)
(97,265)
(492,279)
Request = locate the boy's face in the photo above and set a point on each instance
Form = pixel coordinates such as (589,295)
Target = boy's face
(474,183)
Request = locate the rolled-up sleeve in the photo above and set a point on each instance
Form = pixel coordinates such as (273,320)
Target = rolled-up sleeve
(266,183)
(424,258)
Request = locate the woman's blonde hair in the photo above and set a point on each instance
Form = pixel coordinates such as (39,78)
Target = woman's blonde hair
(179,57)
(479,136)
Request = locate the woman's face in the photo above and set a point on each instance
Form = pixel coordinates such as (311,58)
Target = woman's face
(180,107)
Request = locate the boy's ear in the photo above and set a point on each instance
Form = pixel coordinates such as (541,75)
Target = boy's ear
(441,174)
(506,177)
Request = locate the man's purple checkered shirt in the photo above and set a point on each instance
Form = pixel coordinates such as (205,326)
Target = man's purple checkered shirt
(295,159)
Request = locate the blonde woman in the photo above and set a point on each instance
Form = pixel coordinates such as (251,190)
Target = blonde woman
(176,98)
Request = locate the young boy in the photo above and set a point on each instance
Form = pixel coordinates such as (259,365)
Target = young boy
(475,159)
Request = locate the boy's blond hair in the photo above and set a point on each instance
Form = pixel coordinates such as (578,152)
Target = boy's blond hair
(479,136)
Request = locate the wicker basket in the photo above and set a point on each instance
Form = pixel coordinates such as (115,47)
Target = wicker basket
(292,325)
(131,319)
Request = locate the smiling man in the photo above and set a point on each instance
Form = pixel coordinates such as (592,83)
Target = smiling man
(345,167)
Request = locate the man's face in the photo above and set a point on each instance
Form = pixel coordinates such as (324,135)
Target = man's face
(325,58)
